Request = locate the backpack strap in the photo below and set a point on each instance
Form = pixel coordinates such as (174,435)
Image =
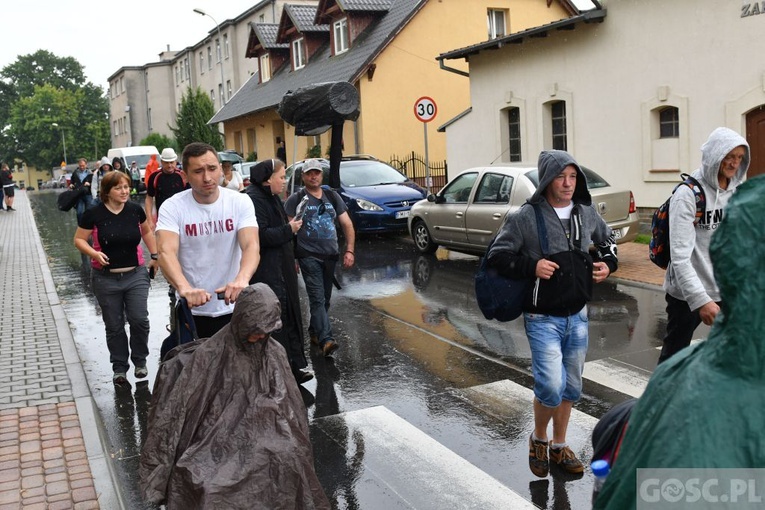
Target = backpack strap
(541,230)
(698,193)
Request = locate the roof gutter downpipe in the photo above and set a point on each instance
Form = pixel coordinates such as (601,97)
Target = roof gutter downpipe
(451,69)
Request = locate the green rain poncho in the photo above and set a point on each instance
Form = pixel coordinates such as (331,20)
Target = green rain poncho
(705,406)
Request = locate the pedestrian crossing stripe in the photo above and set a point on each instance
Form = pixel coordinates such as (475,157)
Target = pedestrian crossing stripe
(617,375)
(510,401)
(427,474)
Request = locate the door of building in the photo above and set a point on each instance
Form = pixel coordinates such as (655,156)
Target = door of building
(755,135)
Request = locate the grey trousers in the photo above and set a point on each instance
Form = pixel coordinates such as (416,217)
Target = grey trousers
(119,295)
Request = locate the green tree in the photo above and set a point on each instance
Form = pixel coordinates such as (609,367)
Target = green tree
(159,141)
(191,121)
(39,90)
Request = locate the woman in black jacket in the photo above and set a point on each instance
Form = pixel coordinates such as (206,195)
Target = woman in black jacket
(277,259)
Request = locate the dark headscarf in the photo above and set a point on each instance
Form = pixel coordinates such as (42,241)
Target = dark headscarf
(261,172)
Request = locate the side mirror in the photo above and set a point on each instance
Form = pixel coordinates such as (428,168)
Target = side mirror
(432,198)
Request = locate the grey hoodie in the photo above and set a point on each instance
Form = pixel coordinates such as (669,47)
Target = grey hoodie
(517,249)
(690,276)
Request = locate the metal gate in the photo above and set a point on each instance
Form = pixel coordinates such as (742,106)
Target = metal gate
(413,166)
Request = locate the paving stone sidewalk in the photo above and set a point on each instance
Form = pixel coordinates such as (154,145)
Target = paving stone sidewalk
(51,450)
(634,265)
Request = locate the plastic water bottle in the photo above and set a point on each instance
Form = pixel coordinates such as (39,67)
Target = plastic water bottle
(600,470)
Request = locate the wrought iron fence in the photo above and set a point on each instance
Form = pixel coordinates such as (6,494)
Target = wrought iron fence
(413,166)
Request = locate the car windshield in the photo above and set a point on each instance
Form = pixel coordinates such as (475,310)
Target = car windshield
(594,180)
(368,173)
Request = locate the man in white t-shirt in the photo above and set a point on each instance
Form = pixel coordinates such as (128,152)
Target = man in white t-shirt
(207,239)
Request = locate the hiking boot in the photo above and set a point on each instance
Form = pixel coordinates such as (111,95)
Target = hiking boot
(329,347)
(141,372)
(538,460)
(314,338)
(302,376)
(566,459)
(119,378)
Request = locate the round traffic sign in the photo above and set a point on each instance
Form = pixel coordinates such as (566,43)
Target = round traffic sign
(425,109)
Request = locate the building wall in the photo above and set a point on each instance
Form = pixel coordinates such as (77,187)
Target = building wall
(407,70)
(695,56)
(154,99)
(160,102)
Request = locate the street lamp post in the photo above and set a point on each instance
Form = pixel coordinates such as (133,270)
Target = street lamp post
(63,140)
(220,61)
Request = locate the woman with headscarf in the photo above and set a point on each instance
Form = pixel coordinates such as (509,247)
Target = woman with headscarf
(277,259)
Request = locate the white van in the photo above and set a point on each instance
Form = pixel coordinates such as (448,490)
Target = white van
(140,154)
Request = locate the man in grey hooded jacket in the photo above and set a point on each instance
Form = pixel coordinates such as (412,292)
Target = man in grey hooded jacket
(692,293)
(555,312)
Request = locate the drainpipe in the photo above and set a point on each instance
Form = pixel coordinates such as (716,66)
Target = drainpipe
(452,69)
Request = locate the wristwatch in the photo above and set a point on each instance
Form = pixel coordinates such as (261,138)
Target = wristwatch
(154,256)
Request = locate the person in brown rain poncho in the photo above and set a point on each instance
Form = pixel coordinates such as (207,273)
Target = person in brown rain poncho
(705,406)
(227,426)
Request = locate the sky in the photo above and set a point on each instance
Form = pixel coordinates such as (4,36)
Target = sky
(104,36)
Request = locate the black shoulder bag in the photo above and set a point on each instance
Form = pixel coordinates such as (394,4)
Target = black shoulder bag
(502,298)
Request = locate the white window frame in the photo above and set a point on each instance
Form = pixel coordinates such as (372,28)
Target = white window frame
(229,91)
(209,58)
(220,94)
(298,54)
(493,17)
(218,50)
(202,62)
(265,67)
(225,46)
(341,36)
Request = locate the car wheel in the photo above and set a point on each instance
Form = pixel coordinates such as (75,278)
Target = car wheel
(422,240)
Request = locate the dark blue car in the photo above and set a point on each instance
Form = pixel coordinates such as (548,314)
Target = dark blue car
(377,195)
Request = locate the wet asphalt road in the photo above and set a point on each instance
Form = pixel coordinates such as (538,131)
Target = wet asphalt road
(412,340)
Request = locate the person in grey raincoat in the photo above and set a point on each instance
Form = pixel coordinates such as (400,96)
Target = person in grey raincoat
(227,426)
(692,295)
(555,311)
(705,406)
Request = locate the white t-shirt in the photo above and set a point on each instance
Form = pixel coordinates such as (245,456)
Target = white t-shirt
(236,180)
(208,252)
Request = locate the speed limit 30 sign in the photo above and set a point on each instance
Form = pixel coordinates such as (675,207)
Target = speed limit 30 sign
(425,109)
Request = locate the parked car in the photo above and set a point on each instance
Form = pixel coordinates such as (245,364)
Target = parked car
(466,214)
(244,170)
(377,195)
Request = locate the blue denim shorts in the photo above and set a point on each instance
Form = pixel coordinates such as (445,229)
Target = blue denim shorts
(558,349)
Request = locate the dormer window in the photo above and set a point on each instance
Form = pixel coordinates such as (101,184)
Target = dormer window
(340,33)
(265,68)
(298,54)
